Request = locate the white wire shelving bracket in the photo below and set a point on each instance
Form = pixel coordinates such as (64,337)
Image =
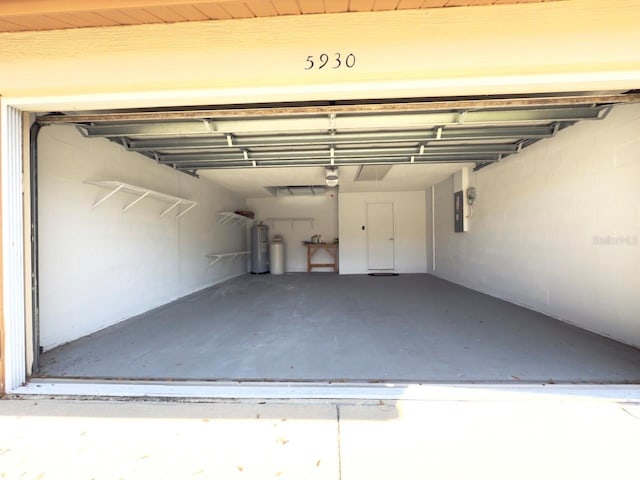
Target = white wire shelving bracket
(291,220)
(216,257)
(233,218)
(141,192)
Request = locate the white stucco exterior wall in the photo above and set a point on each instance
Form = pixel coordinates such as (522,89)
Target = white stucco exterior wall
(557,227)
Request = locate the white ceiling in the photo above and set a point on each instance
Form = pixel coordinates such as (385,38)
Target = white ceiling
(251,182)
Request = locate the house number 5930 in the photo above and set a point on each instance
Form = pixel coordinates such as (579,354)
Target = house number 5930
(332,61)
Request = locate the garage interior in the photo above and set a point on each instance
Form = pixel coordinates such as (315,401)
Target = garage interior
(512,225)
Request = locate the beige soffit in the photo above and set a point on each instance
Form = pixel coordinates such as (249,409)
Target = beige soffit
(31,15)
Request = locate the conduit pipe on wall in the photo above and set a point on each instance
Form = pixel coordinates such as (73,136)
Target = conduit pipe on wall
(433,227)
(35,300)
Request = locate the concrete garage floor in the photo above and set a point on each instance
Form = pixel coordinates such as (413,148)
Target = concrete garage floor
(328,327)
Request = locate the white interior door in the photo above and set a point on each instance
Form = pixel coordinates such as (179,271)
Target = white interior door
(380,236)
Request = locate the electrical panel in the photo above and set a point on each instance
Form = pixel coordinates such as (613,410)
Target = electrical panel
(458,211)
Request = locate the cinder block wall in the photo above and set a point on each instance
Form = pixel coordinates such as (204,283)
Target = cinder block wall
(322,208)
(408,230)
(557,227)
(100,266)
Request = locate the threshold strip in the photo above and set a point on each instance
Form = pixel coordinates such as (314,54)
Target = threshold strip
(327,391)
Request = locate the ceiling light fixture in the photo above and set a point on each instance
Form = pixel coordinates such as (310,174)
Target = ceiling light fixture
(331,176)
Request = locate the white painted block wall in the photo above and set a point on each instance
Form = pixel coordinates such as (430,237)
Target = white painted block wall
(99,267)
(409,230)
(324,210)
(557,228)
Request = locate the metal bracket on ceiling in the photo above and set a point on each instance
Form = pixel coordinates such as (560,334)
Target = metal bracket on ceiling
(422,149)
(332,124)
(191,172)
(520,143)
(461,116)
(333,155)
(229,140)
(556,128)
(413,159)
(604,112)
(245,153)
(83,130)
(439,133)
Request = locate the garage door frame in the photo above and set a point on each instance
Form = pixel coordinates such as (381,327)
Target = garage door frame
(13,268)
(16,247)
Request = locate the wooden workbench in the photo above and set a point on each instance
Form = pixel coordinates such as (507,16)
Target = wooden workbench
(331,248)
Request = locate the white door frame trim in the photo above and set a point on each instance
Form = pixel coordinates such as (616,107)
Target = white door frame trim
(13,274)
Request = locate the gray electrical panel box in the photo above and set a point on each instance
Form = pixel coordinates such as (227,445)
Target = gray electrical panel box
(458,211)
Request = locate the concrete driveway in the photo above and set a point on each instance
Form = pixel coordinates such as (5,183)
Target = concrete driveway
(583,438)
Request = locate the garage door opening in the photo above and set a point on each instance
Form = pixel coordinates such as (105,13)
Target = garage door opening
(144,246)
